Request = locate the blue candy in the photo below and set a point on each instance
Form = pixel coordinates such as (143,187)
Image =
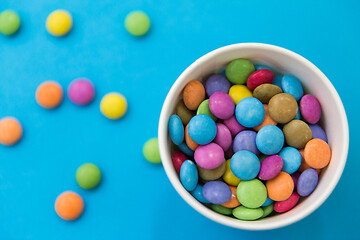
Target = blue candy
(197,193)
(246,140)
(318,132)
(217,83)
(298,114)
(267,202)
(259,67)
(245,165)
(250,112)
(291,158)
(307,182)
(277,81)
(202,129)
(292,86)
(176,129)
(189,175)
(270,140)
(186,150)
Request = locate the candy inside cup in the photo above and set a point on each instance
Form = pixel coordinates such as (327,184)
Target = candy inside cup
(314,82)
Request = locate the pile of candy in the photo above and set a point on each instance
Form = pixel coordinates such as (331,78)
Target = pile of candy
(267,129)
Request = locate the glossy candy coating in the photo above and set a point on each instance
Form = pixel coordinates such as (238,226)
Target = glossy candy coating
(221,105)
(229,177)
(198,195)
(317,153)
(151,151)
(233,125)
(113,105)
(193,94)
(259,77)
(186,150)
(204,109)
(270,167)
(217,83)
(310,109)
(178,158)
(10,131)
(259,67)
(183,112)
(281,187)
(81,91)
(239,70)
(69,205)
(212,174)
(251,194)
(267,210)
(209,156)
(246,140)
(239,92)
(318,132)
(297,134)
(217,192)
(245,165)
(286,205)
(307,182)
(268,202)
(221,209)
(9,22)
(282,108)
(49,94)
(189,175)
(247,214)
(292,86)
(292,159)
(88,176)
(176,129)
(137,23)
(233,202)
(189,142)
(270,140)
(250,112)
(267,120)
(265,92)
(202,129)
(223,136)
(59,23)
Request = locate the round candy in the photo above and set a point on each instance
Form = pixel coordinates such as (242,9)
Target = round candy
(295,177)
(221,209)
(268,202)
(69,205)
(217,83)
(81,91)
(198,195)
(297,133)
(250,112)
(270,167)
(233,125)
(49,94)
(88,176)
(277,81)
(318,132)
(184,114)
(223,136)
(292,86)
(245,165)
(259,67)
(239,92)
(209,156)
(270,140)
(266,91)
(267,210)
(304,165)
(186,150)
(189,175)
(204,109)
(229,177)
(221,105)
(137,23)
(246,140)
(260,77)
(310,108)
(212,174)
(178,158)
(234,202)
(59,23)
(10,131)
(247,214)
(217,192)
(113,105)
(9,22)
(193,94)
(267,120)
(292,159)
(176,129)
(191,144)
(317,153)
(307,182)
(286,205)
(202,129)
(282,108)
(251,194)
(239,70)
(281,187)
(151,151)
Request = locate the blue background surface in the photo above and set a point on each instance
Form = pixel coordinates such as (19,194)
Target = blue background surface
(135,199)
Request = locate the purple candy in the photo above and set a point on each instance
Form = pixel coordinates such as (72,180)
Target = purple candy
(233,125)
(81,91)
(246,140)
(209,156)
(307,182)
(223,136)
(318,132)
(217,83)
(310,109)
(221,105)
(295,177)
(270,167)
(217,192)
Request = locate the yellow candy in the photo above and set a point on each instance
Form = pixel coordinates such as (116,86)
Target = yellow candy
(229,177)
(59,23)
(113,105)
(238,92)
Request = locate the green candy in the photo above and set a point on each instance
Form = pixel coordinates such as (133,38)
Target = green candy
(137,23)
(248,214)
(88,176)
(251,194)
(151,151)
(204,109)
(267,210)
(239,70)
(221,209)
(9,22)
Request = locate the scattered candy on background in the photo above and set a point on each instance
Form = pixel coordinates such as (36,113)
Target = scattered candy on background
(137,23)
(88,176)
(10,131)
(69,205)
(59,23)
(49,94)
(113,105)
(9,22)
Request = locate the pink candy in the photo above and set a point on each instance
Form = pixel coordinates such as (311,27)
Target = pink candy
(209,156)
(221,105)
(223,136)
(286,205)
(310,109)
(260,77)
(233,125)
(270,167)
(81,91)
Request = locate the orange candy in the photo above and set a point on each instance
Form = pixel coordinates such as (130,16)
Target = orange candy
(49,94)
(69,205)
(10,131)
(191,143)
(281,187)
(267,120)
(194,94)
(304,166)
(234,202)
(317,153)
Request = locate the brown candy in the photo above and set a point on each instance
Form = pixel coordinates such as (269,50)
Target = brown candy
(282,108)
(191,143)
(184,114)
(212,174)
(194,94)
(266,91)
(297,134)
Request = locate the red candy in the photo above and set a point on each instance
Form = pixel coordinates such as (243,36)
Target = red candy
(178,158)
(260,77)
(286,205)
